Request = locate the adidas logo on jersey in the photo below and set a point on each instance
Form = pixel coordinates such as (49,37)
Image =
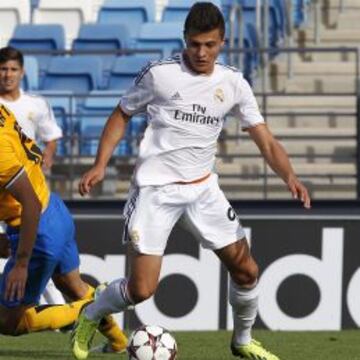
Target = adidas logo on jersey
(176,96)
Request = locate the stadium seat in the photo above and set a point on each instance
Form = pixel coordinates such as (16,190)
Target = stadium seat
(167,37)
(249,17)
(126,69)
(131,13)
(30,37)
(34,4)
(250,41)
(102,37)
(30,80)
(300,8)
(12,13)
(176,10)
(63,104)
(93,115)
(77,73)
(71,14)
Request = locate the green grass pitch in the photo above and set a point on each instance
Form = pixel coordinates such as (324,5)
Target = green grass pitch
(344,345)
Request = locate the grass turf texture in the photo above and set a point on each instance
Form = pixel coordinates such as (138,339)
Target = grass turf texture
(344,345)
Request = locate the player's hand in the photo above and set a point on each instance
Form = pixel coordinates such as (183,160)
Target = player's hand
(46,166)
(47,162)
(90,179)
(299,191)
(16,283)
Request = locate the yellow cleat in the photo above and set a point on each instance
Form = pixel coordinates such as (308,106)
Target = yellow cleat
(253,351)
(82,336)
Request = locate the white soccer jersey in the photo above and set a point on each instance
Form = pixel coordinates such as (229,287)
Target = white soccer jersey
(35,116)
(186,113)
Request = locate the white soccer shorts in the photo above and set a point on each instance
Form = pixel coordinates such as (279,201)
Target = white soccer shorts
(152,211)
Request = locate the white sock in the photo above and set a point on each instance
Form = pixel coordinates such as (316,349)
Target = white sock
(244,303)
(113,299)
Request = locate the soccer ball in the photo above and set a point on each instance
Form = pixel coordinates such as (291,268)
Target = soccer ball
(150,342)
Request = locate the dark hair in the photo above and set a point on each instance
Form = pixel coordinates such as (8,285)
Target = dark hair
(204,17)
(9,53)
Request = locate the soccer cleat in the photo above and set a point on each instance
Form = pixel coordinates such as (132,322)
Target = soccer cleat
(82,336)
(252,351)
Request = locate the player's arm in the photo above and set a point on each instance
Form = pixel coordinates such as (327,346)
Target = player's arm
(48,154)
(22,190)
(278,160)
(48,131)
(113,132)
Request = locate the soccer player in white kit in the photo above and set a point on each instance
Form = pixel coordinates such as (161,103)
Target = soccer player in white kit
(33,112)
(36,119)
(186,99)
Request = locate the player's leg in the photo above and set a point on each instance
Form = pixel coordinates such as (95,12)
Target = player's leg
(71,284)
(121,293)
(217,227)
(150,216)
(10,318)
(67,278)
(116,297)
(21,317)
(75,288)
(243,297)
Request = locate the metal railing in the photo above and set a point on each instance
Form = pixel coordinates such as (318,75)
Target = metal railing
(69,167)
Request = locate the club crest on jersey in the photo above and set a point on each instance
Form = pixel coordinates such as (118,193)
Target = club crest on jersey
(219,95)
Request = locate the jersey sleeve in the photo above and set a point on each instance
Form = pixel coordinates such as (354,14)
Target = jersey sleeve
(47,128)
(246,108)
(10,166)
(138,96)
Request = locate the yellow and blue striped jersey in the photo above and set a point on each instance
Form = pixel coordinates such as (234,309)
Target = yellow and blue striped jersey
(18,153)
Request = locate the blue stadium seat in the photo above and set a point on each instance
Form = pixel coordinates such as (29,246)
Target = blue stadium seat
(34,4)
(28,37)
(177,10)
(64,105)
(249,13)
(125,70)
(103,37)
(300,11)
(165,36)
(30,80)
(131,13)
(79,74)
(93,115)
(250,41)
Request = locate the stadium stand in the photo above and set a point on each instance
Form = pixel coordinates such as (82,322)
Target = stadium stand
(12,13)
(63,104)
(300,11)
(126,69)
(176,10)
(93,115)
(39,38)
(131,13)
(30,80)
(78,73)
(319,131)
(102,37)
(249,16)
(70,14)
(167,37)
